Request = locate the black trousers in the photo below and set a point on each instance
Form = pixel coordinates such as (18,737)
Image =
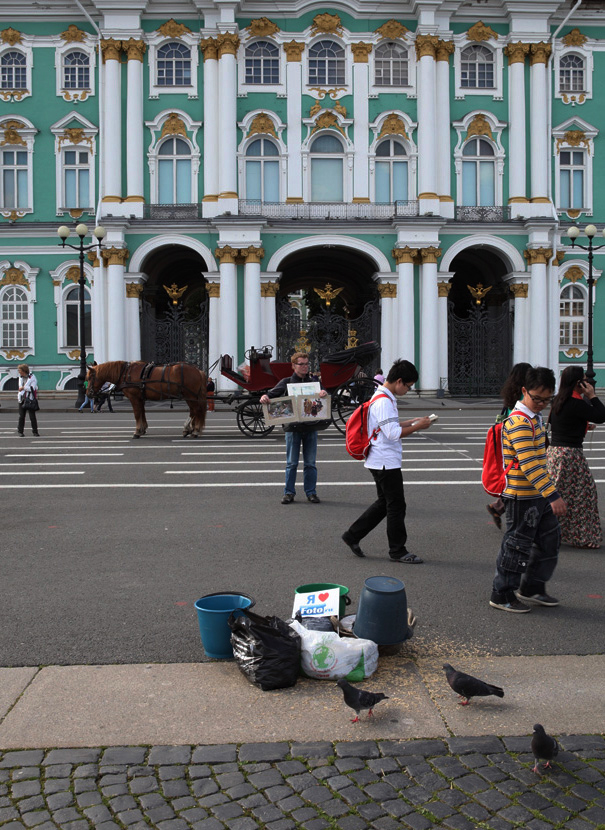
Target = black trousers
(32,419)
(390,503)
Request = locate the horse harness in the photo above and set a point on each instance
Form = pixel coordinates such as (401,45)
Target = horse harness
(127,381)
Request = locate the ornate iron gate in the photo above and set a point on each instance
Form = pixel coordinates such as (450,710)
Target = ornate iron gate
(480,350)
(175,336)
(326,331)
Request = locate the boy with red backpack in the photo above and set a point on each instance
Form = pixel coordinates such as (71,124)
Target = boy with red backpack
(384,463)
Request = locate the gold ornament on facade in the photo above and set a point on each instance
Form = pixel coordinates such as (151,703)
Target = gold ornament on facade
(174,292)
(135,49)
(252,254)
(93,259)
(262,124)
(11,36)
(352,340)
(213,289)
(480,32)
(74,135)
(11,135)
(209,48)
(294,51)
(173,29)
(173,125)
(73,274)
(573,352)
(327,24)
(445,48)
(430,255)
(75,213)
(573,99)
(134,290)
(519,290)
(262,27)
(575,38)
(327,121)
(387,290)
(228,44)
(14,276)
(302,344)
(73,35)
(558,257)
(74,354)
(391,30)
(537,256)
(405,255)
(15,94)
(328,293)
(111,49)
(317,107)
(269,289)
(443,289)
(573,274)
(115,256)
(539,52)
(331,93)
(479,291)
(516,52)
(393,125)
(361,52)
(479,126)
(340,109)
(226,254)
(13,215)
(573,138)
(426,45)
(75,96)
(14,354)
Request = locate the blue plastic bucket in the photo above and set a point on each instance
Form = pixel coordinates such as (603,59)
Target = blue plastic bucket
(382,612)
(213,611)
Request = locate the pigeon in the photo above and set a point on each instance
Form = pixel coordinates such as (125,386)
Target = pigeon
(468,686)
(543,746)
(359,699)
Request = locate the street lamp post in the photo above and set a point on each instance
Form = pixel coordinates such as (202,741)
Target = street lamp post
(573,233)
(99,234)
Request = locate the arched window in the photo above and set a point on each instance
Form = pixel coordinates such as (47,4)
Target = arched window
(76,178)
(262,171)
(572,316)
(326,63)
(173,65)
(15,318)
(72,317)
(572,166)
(76,70)
(174,172)
(13,70)
(478,173)
(477,68)
(327,169)
(262,63)
(571,74)
(391,65)
(15,179)
(391,171)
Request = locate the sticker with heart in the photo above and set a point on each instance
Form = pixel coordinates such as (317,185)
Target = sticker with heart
(323,596)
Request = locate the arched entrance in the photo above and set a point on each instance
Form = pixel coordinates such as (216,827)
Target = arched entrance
(479,324)
(174,309)
(327,301)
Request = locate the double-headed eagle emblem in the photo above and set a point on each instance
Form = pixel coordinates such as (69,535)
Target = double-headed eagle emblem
(175,293)
(479,292)
(328,293)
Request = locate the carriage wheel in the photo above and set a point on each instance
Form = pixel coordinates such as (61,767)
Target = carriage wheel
(251,419)
(348,397)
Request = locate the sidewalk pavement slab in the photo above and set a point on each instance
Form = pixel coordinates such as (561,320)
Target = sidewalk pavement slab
(12,684)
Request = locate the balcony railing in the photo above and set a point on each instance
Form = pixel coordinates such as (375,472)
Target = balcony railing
(483,214)
(327,210)
(192,211)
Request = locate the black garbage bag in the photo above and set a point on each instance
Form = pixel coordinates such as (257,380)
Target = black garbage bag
(266,650)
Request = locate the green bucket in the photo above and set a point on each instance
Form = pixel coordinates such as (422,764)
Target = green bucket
(345,599)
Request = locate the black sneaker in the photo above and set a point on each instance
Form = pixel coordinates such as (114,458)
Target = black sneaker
(288,498)
(313,498)
(538,599)
(508,602)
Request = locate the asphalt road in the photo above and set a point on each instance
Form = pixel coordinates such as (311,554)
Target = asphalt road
(107,542)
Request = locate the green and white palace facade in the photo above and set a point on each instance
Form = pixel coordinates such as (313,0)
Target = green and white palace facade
(297,174)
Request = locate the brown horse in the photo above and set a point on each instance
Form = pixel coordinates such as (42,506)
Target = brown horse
(140,381)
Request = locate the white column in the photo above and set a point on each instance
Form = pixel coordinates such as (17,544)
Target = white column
(227,311)
(213,287)
(98,308)
(540,157)
(209,47)
(112,117)
(426,46)
(405,349)
(116,301)
(538,299)
(361,107)
(294,52)
(388,323)
(521,308)
(443,290)
(134,289)
(517,193)
(443,128)
(252,297)
(135,49)
(269,323)
(227,149)
(429,320)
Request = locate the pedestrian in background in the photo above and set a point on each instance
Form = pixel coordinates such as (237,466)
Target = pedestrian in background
(379,376)
(28,385)
(510,394)
(210,389)
(104,395)
(574,409)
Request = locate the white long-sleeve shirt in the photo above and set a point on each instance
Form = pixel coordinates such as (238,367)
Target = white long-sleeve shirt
(29,384)
(386,449)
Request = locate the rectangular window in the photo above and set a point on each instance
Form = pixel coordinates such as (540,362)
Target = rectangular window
(14,179)
(165,190)
(271,193)
(571,179)
(326,180)
(76,177)
(487,196)
(383,181)
(400,181)
(183,181)
(253,180)
(469,183)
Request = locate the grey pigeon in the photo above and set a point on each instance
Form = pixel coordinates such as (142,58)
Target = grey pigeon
(468,686)
(359,699)
(543,746)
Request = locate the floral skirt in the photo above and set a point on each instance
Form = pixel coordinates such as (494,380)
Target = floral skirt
(569,470)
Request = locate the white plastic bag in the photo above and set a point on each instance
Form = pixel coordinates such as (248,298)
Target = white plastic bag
(326,656)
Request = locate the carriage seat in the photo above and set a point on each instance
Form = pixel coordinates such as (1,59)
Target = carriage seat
(228,371)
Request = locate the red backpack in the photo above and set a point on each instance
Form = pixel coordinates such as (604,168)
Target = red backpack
(493,475)
(358,442)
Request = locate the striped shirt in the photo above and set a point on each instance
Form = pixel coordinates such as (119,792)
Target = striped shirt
(530,479)
(385,453)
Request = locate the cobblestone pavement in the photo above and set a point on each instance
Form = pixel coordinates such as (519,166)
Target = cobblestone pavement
(455,783)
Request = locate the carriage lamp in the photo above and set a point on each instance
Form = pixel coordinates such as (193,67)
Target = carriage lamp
(573,233)
(99,234)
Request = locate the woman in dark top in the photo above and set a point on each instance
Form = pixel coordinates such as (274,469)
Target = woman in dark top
(574,408)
